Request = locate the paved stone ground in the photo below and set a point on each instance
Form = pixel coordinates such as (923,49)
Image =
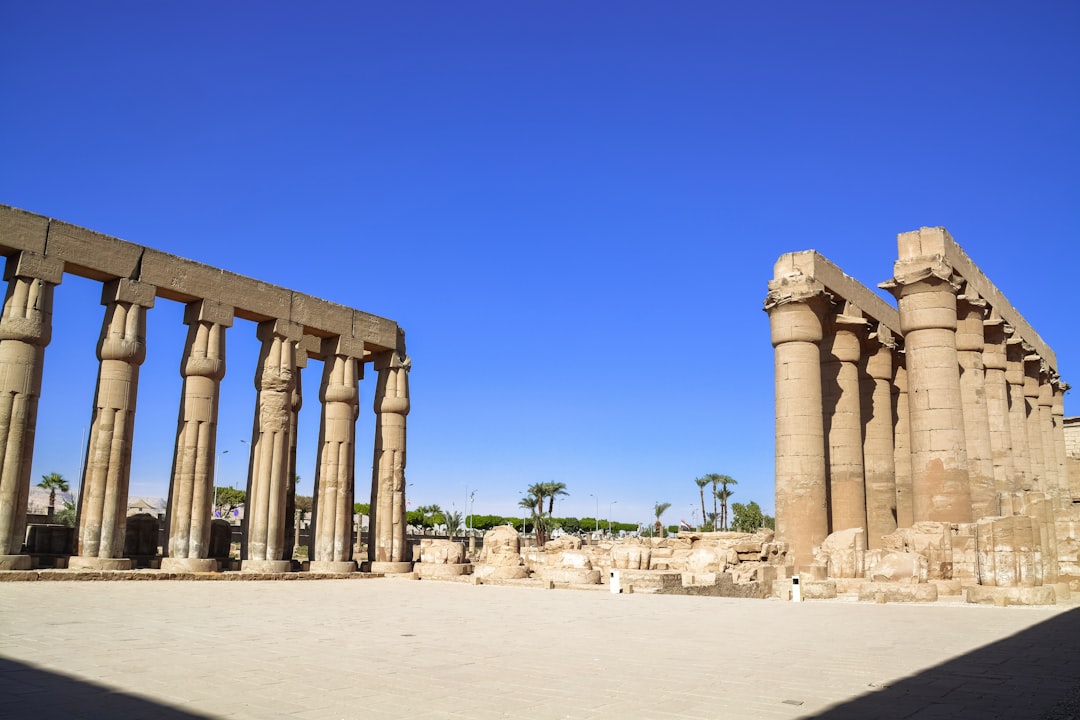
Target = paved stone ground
(383,648)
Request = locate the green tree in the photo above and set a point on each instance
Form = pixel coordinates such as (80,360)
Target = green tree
(553,490)
(228,499)
(362,508)
(723,494)
(304,503)
(701,482)
(53,482)
(453,523)
(660,508)
(535,505)
(67,515)
(747,518)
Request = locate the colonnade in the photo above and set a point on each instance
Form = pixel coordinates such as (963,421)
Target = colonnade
(947,409)
(291,327)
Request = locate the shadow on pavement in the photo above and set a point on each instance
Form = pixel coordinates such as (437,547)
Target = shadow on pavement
(30,692)
(1034,675)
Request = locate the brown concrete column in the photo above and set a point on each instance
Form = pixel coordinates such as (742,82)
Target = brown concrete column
(841,403)
(969,352)
(264,514)
(25,330)
(99,533)
(802,519)
(1032,367)
(387,549)
(191,491)
(927,302)
(878,449)
(905,513)
(332,543)
(997,406)
(1014,375)
(1067,484)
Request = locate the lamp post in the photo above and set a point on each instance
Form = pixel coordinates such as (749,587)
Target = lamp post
(597,518)
(613,502)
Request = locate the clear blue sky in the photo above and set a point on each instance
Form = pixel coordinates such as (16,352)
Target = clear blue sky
(572,208)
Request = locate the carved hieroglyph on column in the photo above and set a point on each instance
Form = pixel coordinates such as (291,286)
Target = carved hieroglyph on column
(969,351)
(923,283)
(902,444)
(332,542)
(878,450)
(191,493)
(997,406)
(275,379)
(841,399)
(795,305)
(387,547)
(25,330)
(103,501)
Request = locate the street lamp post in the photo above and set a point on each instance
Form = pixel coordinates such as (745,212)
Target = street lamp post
(613,502)
(597,518)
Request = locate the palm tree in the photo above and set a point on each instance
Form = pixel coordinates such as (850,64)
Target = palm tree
(660,508)
(53,482)
(453,522)
(723,494)
(701,483)
(714,478)
(530,502)
(552,489)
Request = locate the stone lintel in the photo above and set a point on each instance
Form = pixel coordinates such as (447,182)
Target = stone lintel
(103,258)
(127,291)
(28,264)
(210,311)
(799,276)
(308,346)
(938,242)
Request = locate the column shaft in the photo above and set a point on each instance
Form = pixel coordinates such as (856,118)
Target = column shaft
(1033,423)
(103,499)
(1046,424)
(841,402)
(905,512)
(878,448)
(969,349)
(1021,450)
(997,406)
(388,467)
(25,330)
(1067,484)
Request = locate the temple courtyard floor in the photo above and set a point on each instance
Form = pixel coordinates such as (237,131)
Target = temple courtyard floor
(393,648)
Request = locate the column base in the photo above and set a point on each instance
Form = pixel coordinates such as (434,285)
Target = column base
(265,566)
(170,564)
(15,562)
(331,566)
(390,568)
(78,562)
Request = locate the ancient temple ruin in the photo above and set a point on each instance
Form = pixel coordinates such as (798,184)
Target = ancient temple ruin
(291,327)
(930,435)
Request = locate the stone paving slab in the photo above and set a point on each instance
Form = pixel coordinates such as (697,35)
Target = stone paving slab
(422,649)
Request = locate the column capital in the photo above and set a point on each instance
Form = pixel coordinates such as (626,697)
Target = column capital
(345,346)
(210,311)
(28,264)
(126,290)
(285,329)
(391,360)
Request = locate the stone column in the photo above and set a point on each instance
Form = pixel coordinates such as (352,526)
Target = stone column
(997,406)
(1014,375)
(923,283)
(905,513)
(1067,485)
(25,330)
(969,352)
(291,517)
(841,402)
(387,549)
(1032,366)
(802,516)
(268,477)
(191,492)
(331,542)
(878,449)
(1046,424)
(99,535)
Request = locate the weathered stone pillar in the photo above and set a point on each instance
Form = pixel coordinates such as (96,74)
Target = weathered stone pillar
(878,449)
(191,492)
(1046,424)
(268,477)
(923,283)
(1014,375)
(802,517)
(99,534)
(25,330)
(331,541)
(1066,483)
(292,517)
(905,514)
(841,403)
(997,406)
(387,549)
(1032,366)
(969,352)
